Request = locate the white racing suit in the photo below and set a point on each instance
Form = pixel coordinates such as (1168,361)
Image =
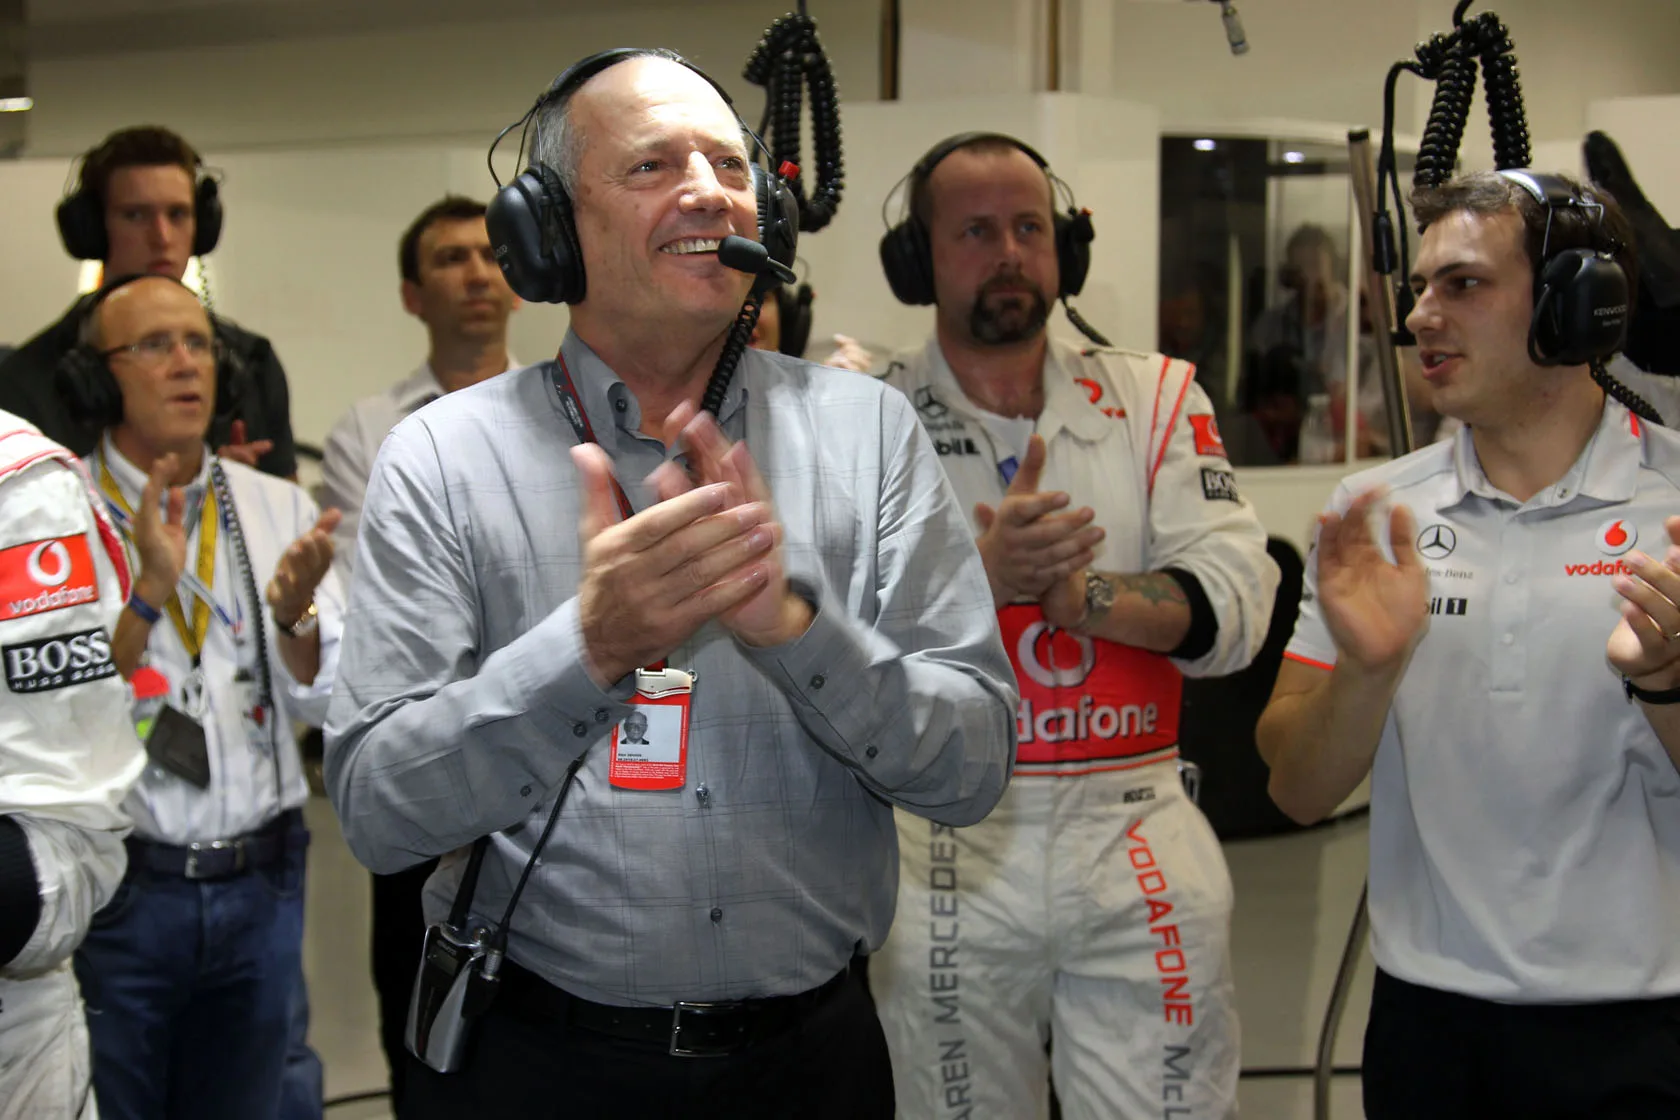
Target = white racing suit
(67,758)
(1093,906)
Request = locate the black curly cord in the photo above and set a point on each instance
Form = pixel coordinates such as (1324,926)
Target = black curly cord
(740,335)
(242,558)
(788,59)
(1085,328)
(1633,402)
(1448,114)
(1502,84)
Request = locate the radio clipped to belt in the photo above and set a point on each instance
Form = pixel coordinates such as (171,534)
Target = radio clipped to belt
(461,961)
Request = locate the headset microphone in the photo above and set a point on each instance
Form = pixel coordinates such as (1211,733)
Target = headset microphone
(745,255)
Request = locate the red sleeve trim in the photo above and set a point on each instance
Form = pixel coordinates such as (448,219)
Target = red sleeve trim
(1325,665)
(1166,433)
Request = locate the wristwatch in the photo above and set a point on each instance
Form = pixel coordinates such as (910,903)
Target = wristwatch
(305,624)
(1650,696)
(1099,596)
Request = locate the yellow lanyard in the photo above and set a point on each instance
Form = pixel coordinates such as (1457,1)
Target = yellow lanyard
(192,639)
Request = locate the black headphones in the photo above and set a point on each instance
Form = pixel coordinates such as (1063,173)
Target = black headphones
(1581,304)
(530,220)
(81,215)
(84,379)
(907,255)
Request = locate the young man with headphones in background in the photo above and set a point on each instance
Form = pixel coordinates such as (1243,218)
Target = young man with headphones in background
(1093,906)
(67,759)
(229,635)
(144,204)
(804,625)
(451,283)
(1490,632)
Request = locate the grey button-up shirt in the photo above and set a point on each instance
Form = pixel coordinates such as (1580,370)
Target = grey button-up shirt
(462,695)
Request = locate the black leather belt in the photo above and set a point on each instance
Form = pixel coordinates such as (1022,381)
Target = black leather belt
(687,1029)
(217,859)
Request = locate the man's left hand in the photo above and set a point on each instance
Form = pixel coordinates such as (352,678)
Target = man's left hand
(301,571)
(1645,646)
(776,615)
(240,450)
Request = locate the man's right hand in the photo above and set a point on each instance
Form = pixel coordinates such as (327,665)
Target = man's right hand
(1375,610)
(651,581)
(1025,544)
(160,539)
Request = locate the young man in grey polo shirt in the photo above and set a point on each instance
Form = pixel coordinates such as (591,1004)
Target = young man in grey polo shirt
(1482,665)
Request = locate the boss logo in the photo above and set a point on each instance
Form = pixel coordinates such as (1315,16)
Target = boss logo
(1219,486)
(58,661)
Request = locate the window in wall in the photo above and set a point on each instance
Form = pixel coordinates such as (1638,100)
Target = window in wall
(1255,289)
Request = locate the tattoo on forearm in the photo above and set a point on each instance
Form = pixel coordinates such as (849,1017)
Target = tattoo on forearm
(1153,588)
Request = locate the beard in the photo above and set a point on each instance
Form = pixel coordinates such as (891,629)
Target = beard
(1007,309)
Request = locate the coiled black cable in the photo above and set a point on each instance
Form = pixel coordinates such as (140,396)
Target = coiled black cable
(1502,84)
(1455,85)
(1631,400)
(242,560)
(788,59)
(1084,327)
(735,345)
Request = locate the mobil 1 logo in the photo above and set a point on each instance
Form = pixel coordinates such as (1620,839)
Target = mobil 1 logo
(58,661)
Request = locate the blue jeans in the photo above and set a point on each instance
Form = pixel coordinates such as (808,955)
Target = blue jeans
(189,988)
(302,1089)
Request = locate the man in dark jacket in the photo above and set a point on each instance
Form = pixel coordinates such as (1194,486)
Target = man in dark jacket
(143,204)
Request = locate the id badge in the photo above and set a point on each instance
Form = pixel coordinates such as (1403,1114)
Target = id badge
(650,745)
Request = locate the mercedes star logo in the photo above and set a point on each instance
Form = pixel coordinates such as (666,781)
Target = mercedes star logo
(1437,542)
(930,406)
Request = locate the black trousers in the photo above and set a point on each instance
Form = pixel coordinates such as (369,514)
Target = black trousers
(399,929)
(832,1065)
(1432,1055)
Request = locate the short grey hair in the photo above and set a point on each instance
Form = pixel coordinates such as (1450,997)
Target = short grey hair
(557,141)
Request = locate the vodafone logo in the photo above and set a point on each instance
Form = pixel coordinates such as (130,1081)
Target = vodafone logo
(1617,536)
(1041,643)
(60,557)
(46,575)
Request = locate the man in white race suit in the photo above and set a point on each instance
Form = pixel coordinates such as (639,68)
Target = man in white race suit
(68,755)
(1093,904)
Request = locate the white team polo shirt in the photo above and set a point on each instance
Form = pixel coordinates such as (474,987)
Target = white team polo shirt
(1525,819)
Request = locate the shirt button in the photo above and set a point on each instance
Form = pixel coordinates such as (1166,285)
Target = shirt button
(1510,577)
(870,752)
(580,729)
(524,791)
(1508,639)
(818,681)
(702,795)
(620,404)
(717,914)
(600,715)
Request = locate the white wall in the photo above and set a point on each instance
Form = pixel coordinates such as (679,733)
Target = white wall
(308,256)
(460,80)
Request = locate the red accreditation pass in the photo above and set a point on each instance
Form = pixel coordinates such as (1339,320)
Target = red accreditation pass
(650,745)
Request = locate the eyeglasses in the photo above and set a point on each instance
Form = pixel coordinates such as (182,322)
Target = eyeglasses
(156,349)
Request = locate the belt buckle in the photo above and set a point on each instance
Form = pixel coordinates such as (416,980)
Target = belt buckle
(191,871)
(681,1049)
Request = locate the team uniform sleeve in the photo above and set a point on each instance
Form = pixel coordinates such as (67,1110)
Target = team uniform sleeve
(1199,523)
(68,753)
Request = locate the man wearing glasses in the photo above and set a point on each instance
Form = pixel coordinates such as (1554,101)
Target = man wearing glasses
(143,203)
(230,635)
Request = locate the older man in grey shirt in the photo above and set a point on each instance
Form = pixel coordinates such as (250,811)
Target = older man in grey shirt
(824,590)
